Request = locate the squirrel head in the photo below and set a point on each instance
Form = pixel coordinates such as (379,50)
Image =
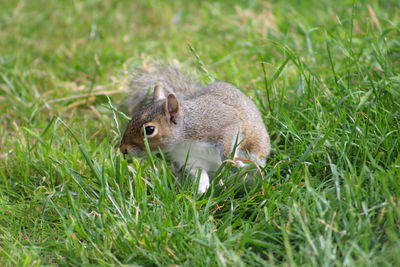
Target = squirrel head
(159,120)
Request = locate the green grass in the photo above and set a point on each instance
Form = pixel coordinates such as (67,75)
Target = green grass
(330,97)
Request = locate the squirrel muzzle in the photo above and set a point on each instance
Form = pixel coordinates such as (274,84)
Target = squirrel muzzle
(124,148)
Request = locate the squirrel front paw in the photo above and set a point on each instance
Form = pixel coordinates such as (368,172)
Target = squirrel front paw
(203,180)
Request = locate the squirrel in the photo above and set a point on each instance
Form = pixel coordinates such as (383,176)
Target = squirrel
(197,127)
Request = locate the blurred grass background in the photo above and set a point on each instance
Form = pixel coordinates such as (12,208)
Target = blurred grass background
(331,190)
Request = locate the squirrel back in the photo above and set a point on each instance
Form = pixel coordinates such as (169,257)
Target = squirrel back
(222,112)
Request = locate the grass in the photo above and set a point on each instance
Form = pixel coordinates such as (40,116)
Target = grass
(324,74)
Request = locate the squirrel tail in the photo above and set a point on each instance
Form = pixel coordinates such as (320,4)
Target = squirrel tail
(144,78)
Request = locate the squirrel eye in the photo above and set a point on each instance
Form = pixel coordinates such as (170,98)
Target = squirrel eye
(149,130)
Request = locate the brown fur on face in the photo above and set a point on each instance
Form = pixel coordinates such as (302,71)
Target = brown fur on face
(152,115)
(133,139)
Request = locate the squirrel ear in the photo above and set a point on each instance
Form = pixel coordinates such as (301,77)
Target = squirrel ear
(158,93)
(171,106)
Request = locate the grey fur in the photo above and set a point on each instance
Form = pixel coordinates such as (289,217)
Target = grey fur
(174,81)
(215,113)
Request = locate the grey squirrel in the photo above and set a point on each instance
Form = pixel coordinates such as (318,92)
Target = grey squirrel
(182,117)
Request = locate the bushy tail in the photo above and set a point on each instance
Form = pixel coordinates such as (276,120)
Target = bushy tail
(144,78)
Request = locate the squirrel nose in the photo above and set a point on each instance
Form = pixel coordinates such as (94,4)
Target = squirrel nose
(124,148)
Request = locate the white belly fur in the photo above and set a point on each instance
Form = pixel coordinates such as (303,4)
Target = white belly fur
(201,155)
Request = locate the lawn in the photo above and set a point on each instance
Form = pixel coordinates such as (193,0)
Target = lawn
(324,74)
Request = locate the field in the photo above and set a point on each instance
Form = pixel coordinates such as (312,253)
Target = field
(324,74)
